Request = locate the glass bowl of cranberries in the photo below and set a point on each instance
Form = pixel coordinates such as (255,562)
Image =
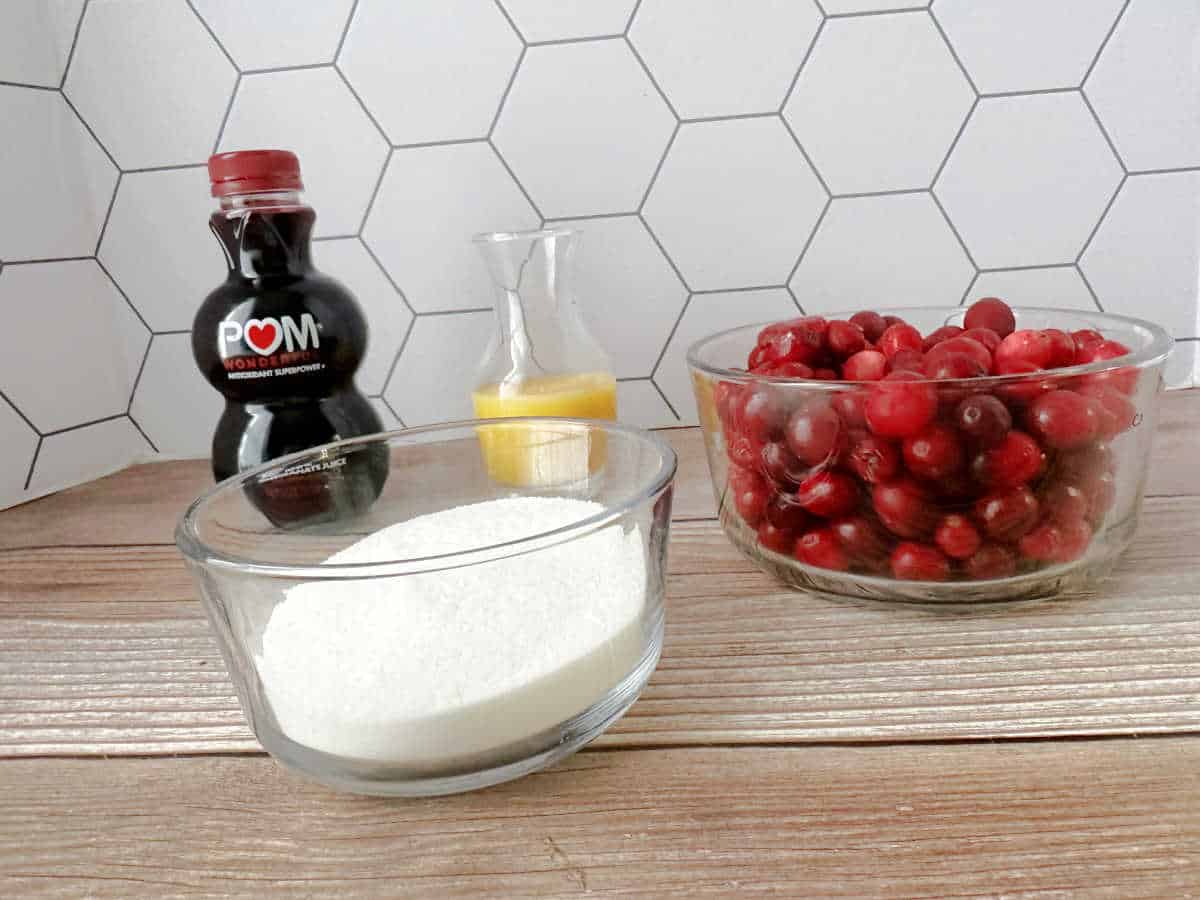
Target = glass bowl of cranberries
(952,455)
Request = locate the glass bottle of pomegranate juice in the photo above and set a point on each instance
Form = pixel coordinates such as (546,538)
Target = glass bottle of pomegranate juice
(281,342)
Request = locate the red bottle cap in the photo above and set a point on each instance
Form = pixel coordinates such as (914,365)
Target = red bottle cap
(249,171)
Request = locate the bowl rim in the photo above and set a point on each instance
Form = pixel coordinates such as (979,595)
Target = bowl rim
(199,552)
(1155,351)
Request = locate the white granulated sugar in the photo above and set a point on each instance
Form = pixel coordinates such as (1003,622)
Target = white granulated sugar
(422,669)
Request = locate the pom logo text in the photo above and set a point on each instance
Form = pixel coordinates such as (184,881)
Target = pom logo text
(264,336)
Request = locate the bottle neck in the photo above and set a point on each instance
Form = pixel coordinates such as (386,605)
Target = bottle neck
(265,233)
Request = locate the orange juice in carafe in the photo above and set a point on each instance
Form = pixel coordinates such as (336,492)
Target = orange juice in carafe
(541,362)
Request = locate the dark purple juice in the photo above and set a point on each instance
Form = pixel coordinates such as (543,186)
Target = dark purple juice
(281,342)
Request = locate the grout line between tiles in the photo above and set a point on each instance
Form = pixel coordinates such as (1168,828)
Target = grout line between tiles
(88,127)
(237,86)
(662,159)
(345,31)
(962,128)
(74,43)
(145,437)
(517,181)
(670,336)
(953,53)
(387,161)
(1088,285)
(812,236)
(24,418)
(33,462)
(387,140)
(558,42)
(121,291)
(665,399)
(137,379)
(654,81)
(512,79)
(1100,221)
(112,201)
(1103,44)
(212,34)
(808,52)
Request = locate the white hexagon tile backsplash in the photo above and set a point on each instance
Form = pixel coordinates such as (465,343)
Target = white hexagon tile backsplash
(726,162)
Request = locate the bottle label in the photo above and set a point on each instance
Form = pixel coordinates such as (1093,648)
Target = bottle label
(277,346)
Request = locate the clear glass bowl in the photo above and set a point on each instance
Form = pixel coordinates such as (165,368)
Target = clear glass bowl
(247,559)
(1111,470)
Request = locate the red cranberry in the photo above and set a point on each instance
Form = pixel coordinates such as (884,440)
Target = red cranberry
(1021,390)
(862,541)
(957,536)
(828,494)
(1007,514)
(919,562)
(785,513)
(760,358)
(851,406)
(1026,345)
(993,313)
(985,336)
(1086,337)
(1086,464)
(1057,541)
(991,561)
(845,338)
(775,329)
(982,419)
(787,370)
(953,365)
(1123,379)
(801,344)
(1101,491)
(1015,460)
(1116,411)
(1103,351)
(749,494)
(743,450)
(904,507)
(871,323)
(812,433)
(907,361)
(1065,501)
(966,345)
(955,489)
(900,405)
(1064,420)
(1062,348)
(779,540)
(1076,535)
(759,414)
(938,335)
(781,466)
(889,321)
(824,374)
(933,454)
(900,336)
(874,460)
(820,548)
(866,365)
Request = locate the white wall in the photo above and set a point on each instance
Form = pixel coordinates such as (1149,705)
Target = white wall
(728,161)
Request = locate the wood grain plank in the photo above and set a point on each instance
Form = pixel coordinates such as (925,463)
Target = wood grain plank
(105,651)
(141,505)
(1111,818)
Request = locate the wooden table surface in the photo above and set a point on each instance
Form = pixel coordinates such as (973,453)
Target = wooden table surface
(786,744)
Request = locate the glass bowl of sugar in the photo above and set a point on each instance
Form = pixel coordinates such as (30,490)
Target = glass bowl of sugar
(494,609)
